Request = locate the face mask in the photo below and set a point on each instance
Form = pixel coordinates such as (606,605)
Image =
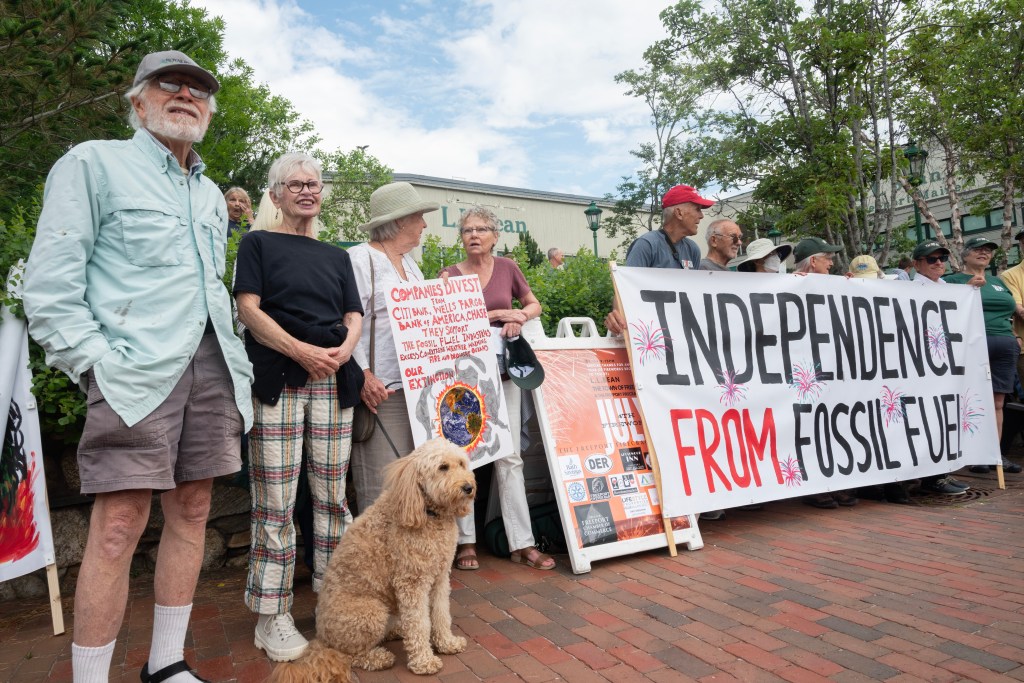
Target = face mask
(772,263)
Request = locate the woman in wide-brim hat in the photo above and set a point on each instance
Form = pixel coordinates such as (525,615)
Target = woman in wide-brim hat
(762,256)
(395,228)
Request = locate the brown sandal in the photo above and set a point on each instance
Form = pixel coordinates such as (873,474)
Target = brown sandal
(465,557)
(540,560)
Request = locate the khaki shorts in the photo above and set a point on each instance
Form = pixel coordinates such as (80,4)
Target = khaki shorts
(194,434)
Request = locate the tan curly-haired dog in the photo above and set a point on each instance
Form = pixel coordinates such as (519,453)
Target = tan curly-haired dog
(390,573)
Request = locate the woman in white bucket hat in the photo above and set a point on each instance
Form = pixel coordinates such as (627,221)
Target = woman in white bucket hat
(762,256)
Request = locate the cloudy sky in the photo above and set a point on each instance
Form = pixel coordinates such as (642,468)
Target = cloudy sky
(509,92)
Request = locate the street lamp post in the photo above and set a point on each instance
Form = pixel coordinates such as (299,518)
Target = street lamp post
(593,213)
(917,158)
(775,236)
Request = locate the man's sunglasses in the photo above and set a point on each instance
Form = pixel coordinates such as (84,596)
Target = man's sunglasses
(173,86)
(932,260)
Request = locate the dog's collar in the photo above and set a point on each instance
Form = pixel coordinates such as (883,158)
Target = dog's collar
(430,512)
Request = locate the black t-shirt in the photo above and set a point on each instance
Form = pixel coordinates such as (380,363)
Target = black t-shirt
(297,275)
(306,287)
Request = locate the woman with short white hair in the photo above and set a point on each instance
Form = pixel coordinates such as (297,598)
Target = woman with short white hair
(299,302)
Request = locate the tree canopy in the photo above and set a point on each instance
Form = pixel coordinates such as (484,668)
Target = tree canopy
(809,104)
(67,65)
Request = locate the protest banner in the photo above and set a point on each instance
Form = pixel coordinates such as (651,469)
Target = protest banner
(759,387)
(448,355)
(26,539)
(598,453)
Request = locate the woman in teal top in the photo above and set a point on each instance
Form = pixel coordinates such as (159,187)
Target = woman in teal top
(998,307)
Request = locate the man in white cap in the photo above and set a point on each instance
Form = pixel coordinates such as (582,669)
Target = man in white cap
(682,209)
(123,290)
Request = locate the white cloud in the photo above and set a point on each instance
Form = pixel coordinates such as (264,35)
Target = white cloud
(514,92)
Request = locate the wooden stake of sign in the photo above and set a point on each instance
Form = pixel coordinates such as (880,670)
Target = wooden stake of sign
(56,608)
(53,584)
(665,519)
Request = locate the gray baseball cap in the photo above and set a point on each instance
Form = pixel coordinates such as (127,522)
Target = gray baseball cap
(156,63)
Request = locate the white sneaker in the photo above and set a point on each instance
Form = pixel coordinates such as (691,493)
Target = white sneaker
(277,636)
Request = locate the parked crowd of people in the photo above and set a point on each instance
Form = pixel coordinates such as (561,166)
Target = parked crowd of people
(124,291)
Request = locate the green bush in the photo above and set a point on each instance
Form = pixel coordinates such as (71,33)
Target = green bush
(583,288)
(436,256)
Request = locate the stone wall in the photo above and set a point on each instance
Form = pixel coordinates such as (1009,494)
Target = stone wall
(227,542)
(227,532)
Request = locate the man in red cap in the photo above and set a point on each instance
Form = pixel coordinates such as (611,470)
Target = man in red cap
(670,247)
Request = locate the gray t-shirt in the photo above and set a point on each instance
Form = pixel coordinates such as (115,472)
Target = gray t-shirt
(708,264)
(652,250)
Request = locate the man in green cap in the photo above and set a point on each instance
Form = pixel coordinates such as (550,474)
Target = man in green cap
(930,259)
(814,255)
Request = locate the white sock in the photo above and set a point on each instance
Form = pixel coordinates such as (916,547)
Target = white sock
(168,646)
(91,664)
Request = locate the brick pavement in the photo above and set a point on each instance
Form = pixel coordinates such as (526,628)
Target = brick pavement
(927,592)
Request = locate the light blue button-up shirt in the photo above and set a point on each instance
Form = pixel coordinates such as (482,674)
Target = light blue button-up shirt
(125,268)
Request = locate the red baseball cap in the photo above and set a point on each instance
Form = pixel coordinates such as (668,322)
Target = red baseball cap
(680,194)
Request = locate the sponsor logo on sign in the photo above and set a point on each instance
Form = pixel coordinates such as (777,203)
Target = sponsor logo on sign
(570,465)
(577,492)
(598,464)
(632,459)
(598,487)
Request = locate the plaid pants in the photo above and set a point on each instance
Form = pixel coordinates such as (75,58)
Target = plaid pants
(306,423)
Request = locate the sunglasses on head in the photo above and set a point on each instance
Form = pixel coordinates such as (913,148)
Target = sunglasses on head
(932,260)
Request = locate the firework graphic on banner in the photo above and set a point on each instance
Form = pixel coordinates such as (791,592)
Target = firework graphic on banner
(648,341)
(792,475)
(936,337)
(732,391)
(805,381)
(892,406)
(970,413)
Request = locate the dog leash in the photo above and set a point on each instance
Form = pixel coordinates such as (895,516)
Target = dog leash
(381,424)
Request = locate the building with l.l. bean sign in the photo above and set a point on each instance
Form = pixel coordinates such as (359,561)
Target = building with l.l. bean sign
(551,218)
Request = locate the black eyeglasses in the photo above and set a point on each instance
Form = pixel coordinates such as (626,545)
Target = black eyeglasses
(175,86)
(932,260)
(735,238)
(295,186)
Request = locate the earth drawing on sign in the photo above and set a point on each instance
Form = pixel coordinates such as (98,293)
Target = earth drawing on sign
(462,414)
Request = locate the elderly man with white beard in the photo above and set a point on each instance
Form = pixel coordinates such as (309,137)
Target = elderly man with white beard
(123,290)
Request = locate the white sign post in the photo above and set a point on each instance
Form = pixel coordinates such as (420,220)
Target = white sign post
(598,452)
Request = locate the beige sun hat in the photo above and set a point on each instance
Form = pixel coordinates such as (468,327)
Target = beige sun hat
(395,200)
(758,249)
(865,266)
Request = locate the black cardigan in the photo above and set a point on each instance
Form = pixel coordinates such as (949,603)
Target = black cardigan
(273,370)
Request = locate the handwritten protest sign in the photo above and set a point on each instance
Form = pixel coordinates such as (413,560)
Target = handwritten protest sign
(449,366)
(758,387)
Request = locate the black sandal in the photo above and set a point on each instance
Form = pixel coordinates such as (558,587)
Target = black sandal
(166,672)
